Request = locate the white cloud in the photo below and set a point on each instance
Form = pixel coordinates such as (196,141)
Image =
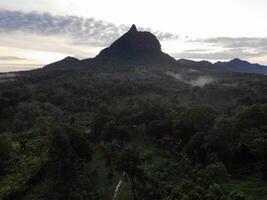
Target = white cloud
(83,31)
(226,48)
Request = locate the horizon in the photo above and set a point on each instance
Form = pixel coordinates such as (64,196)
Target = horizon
(36,33)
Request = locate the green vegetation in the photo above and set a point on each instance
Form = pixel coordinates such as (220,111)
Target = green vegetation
(80,134)
(253,188)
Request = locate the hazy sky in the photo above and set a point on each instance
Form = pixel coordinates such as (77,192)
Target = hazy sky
(36,32)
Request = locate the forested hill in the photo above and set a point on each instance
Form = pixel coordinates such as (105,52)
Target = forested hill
(164,131)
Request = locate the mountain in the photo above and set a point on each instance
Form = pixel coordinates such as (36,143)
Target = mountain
(142,48)
(134,48)
(198,64)
(67,62)
(237,65)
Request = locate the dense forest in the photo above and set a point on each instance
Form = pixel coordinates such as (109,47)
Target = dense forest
(171,133)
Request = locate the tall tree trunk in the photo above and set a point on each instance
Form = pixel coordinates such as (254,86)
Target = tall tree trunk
(118,189)
(133,189)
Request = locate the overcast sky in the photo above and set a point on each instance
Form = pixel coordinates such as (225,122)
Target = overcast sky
(36,32)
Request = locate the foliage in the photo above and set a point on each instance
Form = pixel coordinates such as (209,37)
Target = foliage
(73,134)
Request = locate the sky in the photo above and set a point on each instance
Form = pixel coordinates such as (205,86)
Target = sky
(34,33)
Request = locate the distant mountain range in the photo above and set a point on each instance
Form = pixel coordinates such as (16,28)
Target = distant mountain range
(237,65)
(141,48)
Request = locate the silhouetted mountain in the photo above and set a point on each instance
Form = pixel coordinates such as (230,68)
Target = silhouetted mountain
(237,65)
(141,48)
(192,63)
(67,62)
(134,48)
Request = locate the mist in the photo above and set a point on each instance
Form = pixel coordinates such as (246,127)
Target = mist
(198,81)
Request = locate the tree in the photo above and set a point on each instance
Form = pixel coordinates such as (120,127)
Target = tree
(222,138)
(236,195)
(26,115)
(254,116)
(216,192)
(203,185)
(69,153)
(121,135)
(5,153)
(216,173)
(98,123)
(243,154)
(196,148)
(129,162)
(158,128)
(193,120)
(109,131)
(62,156)
(188,190)
(152,109)
(80,143)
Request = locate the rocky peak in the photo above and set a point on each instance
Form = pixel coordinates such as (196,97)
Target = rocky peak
(133,29)
(134,48)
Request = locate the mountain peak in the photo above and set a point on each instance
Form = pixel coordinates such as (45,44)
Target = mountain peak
(69,58)
(236,60)
(133,28)
(238,65)
(134,48)
(67,62)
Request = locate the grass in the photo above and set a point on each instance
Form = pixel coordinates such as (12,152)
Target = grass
(254,188)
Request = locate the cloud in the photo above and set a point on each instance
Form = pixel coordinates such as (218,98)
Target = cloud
(82,31)
(84,37)
(18,67)
(7,58)
(224,48)
(216,55)
(241,42)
